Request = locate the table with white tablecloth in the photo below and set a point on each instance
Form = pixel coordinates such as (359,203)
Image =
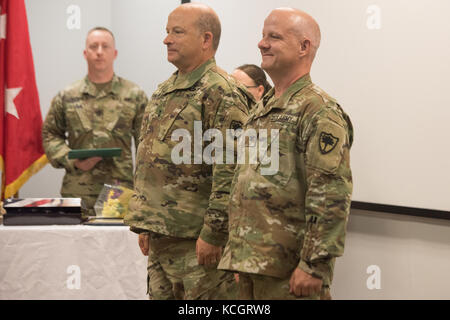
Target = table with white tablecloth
(71,262)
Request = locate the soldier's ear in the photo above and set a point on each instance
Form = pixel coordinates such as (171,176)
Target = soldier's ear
(260,90)
(207,40)
(305,45)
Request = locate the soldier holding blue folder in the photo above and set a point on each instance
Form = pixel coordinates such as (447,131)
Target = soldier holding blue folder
(100,111)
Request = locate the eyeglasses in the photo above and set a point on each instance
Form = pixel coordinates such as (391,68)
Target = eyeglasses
(248,87)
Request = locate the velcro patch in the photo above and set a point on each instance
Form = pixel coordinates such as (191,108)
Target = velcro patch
(327,142)
(324,149)
(286,118)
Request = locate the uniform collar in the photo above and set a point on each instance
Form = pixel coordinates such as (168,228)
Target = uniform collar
(188,80)
(247,93)
(90,88)
(269,101)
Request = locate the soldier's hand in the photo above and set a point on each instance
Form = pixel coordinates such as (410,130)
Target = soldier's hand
(303,284)
(143,243)
(207,254)
(87,164)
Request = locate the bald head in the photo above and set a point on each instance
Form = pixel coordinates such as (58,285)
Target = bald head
(206,19)
(289,44)
(301,24)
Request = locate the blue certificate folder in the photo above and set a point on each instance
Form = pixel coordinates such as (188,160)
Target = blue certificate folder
(88,153)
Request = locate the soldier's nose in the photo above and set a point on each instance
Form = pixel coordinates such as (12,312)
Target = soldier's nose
(263,44)
(167,40)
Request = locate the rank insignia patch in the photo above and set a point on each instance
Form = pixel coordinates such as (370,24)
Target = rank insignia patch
(235,125)
(327,142)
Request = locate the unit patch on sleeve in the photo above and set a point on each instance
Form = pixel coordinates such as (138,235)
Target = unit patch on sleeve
(327,142)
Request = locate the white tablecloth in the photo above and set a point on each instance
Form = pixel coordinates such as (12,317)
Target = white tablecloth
(71,262)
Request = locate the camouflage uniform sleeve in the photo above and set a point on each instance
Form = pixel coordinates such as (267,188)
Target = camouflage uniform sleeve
(54,136)
(141,103)
(329,187)
(230,112)
(138,230)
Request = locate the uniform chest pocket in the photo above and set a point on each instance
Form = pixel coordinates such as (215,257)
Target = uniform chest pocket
(120,121)
(167,121)
(77,118)
(276,162)
(117,116)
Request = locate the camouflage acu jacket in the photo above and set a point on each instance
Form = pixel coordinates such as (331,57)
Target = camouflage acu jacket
(93,119)
(296,217)
(186,199)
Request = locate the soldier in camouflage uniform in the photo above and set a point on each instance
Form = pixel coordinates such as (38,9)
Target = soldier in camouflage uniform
(286,229)
(179,209)
(100,111)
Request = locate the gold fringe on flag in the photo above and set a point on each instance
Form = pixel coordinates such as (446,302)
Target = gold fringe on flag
(12,188)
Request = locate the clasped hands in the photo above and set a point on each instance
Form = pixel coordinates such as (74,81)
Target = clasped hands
(301,283)
(207,254)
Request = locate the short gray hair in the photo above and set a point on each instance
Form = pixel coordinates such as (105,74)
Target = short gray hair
(209,22)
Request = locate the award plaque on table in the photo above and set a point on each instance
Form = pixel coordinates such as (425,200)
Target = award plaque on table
(42,211)
(88,153)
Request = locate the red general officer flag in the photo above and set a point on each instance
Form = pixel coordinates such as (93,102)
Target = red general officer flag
(21,151)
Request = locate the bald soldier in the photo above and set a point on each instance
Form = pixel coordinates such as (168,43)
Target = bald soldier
(180,200)
(287,228)
(102,110)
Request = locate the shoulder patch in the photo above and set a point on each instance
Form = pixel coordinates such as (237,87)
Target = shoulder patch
(327,142)
(235,125)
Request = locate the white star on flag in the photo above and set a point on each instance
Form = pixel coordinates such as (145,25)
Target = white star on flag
(2,25)
(10,95)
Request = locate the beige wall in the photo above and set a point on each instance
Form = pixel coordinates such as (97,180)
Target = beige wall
(412,254)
